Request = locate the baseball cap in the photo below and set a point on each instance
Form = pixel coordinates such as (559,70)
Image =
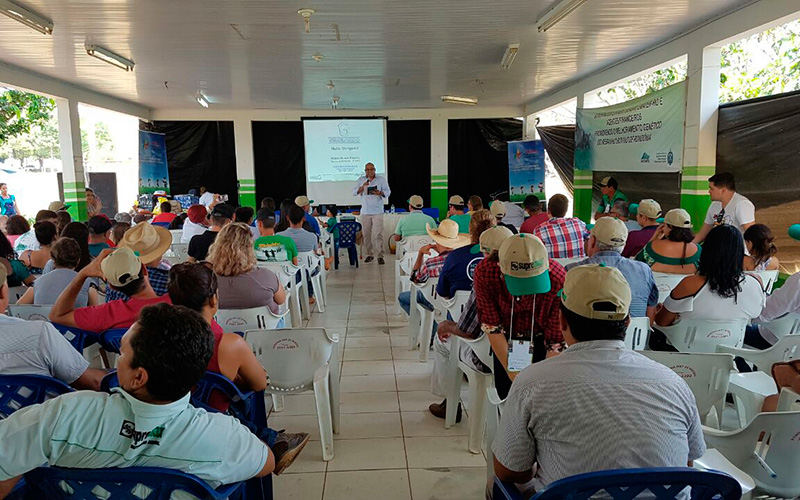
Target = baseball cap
(302,201)
(610,231)
(492,238)
(57,206)
(447,234)
(586,287)
(794,231)
(498,208)
(649,208)
(265,214)
(121,267)
(456,200)
(223,210)
(678,217)
(523,261)
(605,181)
(416,201)
(197,214)
(99,224)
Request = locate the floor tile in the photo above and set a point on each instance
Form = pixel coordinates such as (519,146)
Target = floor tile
(383,484)
(414,382)
(424,424)
(362,342)
(367,331)
(406,367)
(296,423)
(428,452)
(298,486)
(399,340)
(370,425)
(367,368)
(309,460)
(368,383)
(369,454)
(417,400)
(402,353)
(448,483)
(368,402)
(368,323)
(368,354)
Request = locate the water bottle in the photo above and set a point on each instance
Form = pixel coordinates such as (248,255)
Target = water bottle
(391,209)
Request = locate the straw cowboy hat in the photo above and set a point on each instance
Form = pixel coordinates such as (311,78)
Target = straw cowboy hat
(150,242)
(447,234)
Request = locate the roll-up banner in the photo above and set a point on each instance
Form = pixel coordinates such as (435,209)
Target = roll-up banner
(153,172)
(525,170)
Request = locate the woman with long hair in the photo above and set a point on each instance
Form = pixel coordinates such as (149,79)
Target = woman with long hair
(80,233)
(17,226)
(671,250)
(18,273)
(761,249)
(46,235)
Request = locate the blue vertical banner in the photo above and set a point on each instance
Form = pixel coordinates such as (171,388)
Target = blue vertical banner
(153,172)
(525,170)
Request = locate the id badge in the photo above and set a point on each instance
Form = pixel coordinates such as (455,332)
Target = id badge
(520,355)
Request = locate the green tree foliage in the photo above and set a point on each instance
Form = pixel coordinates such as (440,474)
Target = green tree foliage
(644,84)
(19,111)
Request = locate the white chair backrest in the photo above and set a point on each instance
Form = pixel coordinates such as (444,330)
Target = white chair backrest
(665,282)
(785,325)
(412,244)
(788,400)
(768,279)
(292,356)
(637,334)
(241,320)
(179,252)
(428,289)
(309,260)
(177,234)
(482,348)
(569,260)
(706,375)
(406,263)
(698,335)
(30,312)
(785,349)
(455,306)
(15,292)
(285,273)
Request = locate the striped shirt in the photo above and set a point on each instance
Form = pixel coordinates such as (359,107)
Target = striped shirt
(563,238)
(597,406)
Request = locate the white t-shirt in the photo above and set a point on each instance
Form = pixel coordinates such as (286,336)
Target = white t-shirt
(706,304)
(27,241)
(37,348)
(515,215)
(190,230)
(93,430)
(207,199)
(739,211)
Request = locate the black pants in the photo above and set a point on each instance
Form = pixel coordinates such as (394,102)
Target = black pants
(501,380)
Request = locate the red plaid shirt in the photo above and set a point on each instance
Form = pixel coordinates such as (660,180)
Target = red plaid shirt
(429,269)
(494,303)
(563,238)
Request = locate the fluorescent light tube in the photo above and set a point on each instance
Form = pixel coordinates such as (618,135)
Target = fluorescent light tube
(202,100)
(26,17)
(109,57)
(509,56)
(471,101)
(557,13)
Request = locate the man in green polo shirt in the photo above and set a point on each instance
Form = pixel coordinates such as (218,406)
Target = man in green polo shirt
(413,224)
(611,193)
(455,212)
(270,246)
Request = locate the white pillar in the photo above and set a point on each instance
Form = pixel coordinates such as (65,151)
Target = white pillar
(245,164)
(439,163)
(69,130)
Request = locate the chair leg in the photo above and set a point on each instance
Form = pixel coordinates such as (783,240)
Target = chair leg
(323,399)
(453,384)
(425,333)
(397,287)
(304,299)
(277,402)
(294,304)
(317,280)
(334,392)
(477,412)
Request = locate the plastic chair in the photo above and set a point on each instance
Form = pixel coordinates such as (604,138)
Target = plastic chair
(412,244)
(402,275)
(705,374)
(422,337)
(301,360)
(255,318)
(479,382)
(16,292)
(347,239)
(665,282)
(165,225)
(30,312)
(314,270)
(433,212)
(19,391)
(700,335)
(110,340)
(767,449)
(662,482)
(768,279)
(177,234)
(785,325)
(455,306)
(637,334)
(565,261)
(177,253)
(80,339)
(287,278)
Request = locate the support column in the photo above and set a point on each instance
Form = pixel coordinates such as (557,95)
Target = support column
(439,164)
(582,181)
(700,139)
(69,134)
(245,164)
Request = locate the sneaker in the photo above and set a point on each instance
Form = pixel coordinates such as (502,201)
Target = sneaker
(286,448)
(381,261)
(369,259)
(440,410)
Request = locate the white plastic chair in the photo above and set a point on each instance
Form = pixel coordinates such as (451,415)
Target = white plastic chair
(565,261)
(177,253)
(30,312)
(705,374)
(16,292)
(177,234)
(422,336)
(455,306)
(637,334)
(714,460)
(768,279)
(479,382)
(412,244)
(300,360)
(295,290)
(700,335)
(785,325)
(402,275)
(315,267)
(767,449)
(494,411)
(255,318)
(788,400)
(665,282)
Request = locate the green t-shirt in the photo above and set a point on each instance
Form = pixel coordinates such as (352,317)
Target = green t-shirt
(463,222)
(606,204)
(414,224)
(19,273)
(275,248)
(335,231)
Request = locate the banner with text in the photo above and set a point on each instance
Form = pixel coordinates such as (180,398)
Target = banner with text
(525,170)
(640,135)
(153,172)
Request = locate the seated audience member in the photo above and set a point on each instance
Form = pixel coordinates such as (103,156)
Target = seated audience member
(177,222)
(123,271)
(46,235)
(166,216)
(646,214)
(520,278)
(564,238)
(415,223)
(16,226)
(150,243)
(162,357)
(498,209)
(533,207)
(727,206)
(671,249)
(245,216)
(64,218)
(195,224)
(620,209)
(80,233)
(99,234)
(611,193)
(94,205)
(28,240)
(17,273)
(123,217)
(141,218)
(468,327)
(515,214)
(474,203)
(270,246)
(719,291)
(605,244)
(4,224)
(455,212)
(305,241)
(242,284)
(304,203)
(221,215)
(458,271)
(332,222)
(268,203)
(561,412)
(37,348)
(66,255)
(761,249)
(118,231)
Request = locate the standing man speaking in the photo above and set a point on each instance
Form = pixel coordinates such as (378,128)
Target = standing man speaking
(372,190)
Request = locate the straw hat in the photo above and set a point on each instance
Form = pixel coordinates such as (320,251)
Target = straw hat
(148,241)
(447,234)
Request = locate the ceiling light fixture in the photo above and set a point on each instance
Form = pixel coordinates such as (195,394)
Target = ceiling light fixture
(470,101)
(26,17)
(109,57)
(557,13)
(509,56)
(202,100)
(306,15)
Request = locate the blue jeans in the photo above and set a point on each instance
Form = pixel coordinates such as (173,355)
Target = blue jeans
(405,302)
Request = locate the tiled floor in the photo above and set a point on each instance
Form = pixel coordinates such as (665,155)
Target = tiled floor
(389,447)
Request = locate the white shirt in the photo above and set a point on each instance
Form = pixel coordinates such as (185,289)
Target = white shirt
(783,301)
(706,304)
(37,348)
(515,215)
(27,241)
(738,212)
(207,199)
(372,204)
(92,430)
(190,229)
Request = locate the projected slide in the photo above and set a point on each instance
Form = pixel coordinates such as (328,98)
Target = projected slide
(336,152)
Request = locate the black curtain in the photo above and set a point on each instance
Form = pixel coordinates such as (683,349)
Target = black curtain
(199,154)
(409,157)
(477,155)
(559,142)
(280,160)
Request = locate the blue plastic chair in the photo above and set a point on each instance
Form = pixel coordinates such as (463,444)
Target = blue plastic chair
(19,391)
(400,210)
(664,483)
(165,225)
(347,239)
(433,212)
(110,340)
(80,339)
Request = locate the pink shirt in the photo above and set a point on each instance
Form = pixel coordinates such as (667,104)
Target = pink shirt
(533,222)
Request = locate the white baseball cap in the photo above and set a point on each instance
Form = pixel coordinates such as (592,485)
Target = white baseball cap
(492,239)
(610,231)
(524,262)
